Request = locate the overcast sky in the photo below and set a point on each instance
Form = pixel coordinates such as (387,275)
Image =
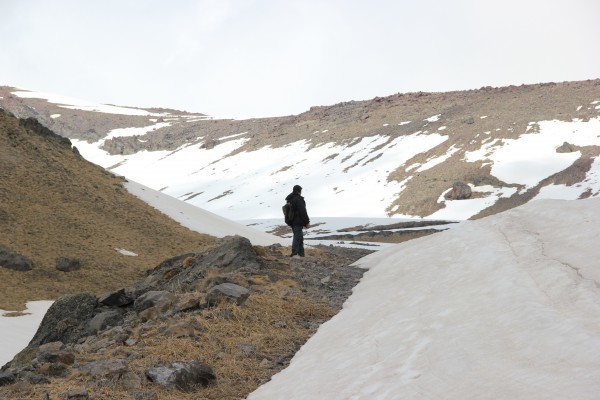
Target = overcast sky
(254,58)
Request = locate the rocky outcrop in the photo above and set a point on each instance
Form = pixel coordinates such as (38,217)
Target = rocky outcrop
(566,148)
(12,260)
(459,191)
(97,339)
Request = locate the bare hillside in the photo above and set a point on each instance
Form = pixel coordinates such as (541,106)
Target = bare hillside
(55,204)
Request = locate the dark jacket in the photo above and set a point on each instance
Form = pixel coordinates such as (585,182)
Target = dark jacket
(299,207)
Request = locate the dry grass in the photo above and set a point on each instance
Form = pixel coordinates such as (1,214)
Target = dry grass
(54,204)
(273,327)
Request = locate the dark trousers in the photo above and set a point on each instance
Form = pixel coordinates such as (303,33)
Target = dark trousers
(298,240)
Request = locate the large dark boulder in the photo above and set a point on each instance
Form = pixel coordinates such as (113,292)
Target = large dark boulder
(65,321)
(12,260)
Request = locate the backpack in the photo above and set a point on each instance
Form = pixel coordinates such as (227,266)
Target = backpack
(288,213)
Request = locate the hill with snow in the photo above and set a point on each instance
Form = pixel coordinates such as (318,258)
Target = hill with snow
(397,156)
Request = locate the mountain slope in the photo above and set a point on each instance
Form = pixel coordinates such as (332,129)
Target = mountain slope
(394,156)
(55,204)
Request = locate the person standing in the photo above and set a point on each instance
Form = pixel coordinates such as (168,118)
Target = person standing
(299,221)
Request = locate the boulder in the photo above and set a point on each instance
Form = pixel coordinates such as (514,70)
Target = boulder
(227,291)
(185,376)
(151,299)
(65,264)
(103,320)
(184,273)
(115,299)
(65,321)
(105,368)
(459,191)
(7,378)
(566,148)
(12,260)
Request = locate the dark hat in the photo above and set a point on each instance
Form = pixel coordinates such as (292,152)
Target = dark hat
(297,189)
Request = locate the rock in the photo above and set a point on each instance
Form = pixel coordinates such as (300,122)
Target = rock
(187,301)
(33,378)
(105,368)
(103,320)
(247,349)
(7,378)
(65,321)
(116,299)
(460,191)
(54,369)
(51,347)
(15,261)
(53,352)
(76,394)
(130,381)
(227,291)
(184,273)
(185,376)
(65,264)
(566,148)
(151,299)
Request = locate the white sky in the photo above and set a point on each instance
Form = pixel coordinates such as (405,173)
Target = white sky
(244,58)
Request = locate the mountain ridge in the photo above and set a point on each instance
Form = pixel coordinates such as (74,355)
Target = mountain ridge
(446,128)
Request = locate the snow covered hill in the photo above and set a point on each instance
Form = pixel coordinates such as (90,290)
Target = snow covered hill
(397,156)
(506,307)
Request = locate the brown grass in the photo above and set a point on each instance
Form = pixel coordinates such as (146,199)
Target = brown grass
(54,204)
(273,326)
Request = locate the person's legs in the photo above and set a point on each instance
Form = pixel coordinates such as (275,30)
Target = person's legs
(297,241)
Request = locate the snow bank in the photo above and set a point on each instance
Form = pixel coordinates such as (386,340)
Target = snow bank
(503,307)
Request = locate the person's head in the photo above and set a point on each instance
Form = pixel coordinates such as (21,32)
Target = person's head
(297,189)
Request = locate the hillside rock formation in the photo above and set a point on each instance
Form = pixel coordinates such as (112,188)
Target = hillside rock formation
(209,303)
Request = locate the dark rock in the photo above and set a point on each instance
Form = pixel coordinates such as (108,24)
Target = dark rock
(116,299)
(7,378)
(227,291)
(103,320)
(15,261)
(460,191)
(185,376)
(33,125)
(65,321)
(65,264)
(33,378)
